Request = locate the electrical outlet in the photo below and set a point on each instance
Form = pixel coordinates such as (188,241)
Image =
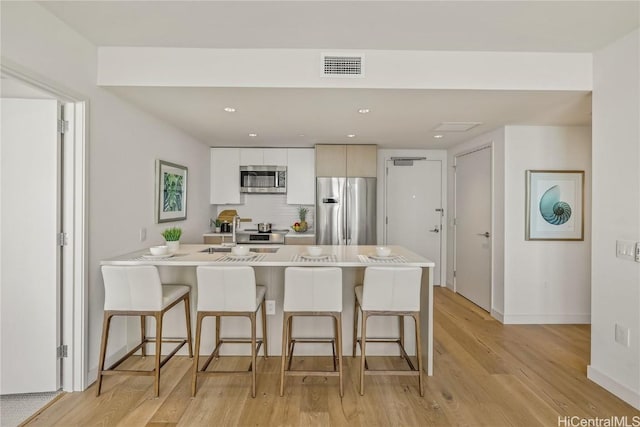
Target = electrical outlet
(637,255)
(271,307)
(143,234)
(622,335)
(626,249)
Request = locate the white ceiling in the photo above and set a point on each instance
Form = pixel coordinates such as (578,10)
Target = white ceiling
(398,118)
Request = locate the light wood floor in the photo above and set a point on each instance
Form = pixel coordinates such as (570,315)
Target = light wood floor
(484,374)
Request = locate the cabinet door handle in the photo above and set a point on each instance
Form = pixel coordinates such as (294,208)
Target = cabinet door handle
(485,234)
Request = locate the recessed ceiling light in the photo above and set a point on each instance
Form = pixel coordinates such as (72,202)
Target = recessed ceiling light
(363,110)
(253,135)
(438,136)
(229,109)
(351,135)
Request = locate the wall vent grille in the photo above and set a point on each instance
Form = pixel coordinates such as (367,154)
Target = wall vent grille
(342,66)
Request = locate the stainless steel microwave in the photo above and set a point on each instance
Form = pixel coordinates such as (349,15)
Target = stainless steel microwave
(263,179)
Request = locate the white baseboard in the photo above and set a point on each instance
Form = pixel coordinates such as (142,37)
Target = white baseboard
(546,319)
(497,315)
(623,392)
(93,372)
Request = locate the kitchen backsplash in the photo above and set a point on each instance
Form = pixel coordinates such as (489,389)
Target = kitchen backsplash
(271,208)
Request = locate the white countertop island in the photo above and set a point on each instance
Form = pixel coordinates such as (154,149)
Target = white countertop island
(269,269)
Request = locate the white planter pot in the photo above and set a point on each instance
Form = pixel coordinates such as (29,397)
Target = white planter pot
(173,246)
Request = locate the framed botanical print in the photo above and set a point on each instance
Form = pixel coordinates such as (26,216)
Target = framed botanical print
(171,192)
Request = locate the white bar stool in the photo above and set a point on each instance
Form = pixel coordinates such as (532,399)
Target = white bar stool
(229,291)
(137,291)
(311,291)
(388,291)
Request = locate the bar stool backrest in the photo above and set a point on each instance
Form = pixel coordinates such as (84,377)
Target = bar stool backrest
(226,289)
(313,289)
(132,288)
(391,288)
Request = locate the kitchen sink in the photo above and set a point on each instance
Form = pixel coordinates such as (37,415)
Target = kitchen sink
(214,250)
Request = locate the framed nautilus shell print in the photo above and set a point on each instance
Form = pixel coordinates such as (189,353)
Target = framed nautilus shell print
(554,205)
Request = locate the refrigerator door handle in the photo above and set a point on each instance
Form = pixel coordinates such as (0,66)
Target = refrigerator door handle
(330,200)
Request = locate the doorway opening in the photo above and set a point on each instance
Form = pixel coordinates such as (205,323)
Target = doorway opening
(472,226)
(48,177)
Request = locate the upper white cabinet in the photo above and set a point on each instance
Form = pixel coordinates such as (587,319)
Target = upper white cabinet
(301,176)
(225,172)
(263,156)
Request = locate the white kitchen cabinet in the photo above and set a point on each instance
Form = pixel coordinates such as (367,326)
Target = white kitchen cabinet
(301,176)
(263,156)
(225,176)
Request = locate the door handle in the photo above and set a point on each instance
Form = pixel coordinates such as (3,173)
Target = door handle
(435,229)
(485,234)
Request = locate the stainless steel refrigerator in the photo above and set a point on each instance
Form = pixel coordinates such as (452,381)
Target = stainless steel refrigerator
(345,211)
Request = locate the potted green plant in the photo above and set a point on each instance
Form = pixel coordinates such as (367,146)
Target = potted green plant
(172,237)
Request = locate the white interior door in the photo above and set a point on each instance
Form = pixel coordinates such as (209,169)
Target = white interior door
(473,227)
(29,254)
(414,208)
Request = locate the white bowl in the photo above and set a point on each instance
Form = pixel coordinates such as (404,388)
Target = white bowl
(159,250)
(314,250)
(383,251)
(240,250)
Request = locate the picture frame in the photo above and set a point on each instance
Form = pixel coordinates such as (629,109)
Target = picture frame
(554,205)
(171,192)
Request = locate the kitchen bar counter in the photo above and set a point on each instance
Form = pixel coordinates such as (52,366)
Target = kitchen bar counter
(269,269)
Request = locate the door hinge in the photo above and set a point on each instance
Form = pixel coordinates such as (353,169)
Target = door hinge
(455,221)
(63,126)
(62,351)
(387,171)
(386,220)
(62,239)
(454,273)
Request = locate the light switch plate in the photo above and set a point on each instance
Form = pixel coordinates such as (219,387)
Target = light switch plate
(143,234)
(622,335)
(271,307)
(626,249)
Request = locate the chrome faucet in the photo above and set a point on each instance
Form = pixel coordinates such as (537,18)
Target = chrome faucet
(234,224)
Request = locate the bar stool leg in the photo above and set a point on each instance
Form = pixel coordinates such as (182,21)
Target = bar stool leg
(283,357)
(401,329)
(416,318)
(106,322)
(355,326)
(196,356)
(187,312)
(264,331)
(363,343)
(339,345)
(218,325)
(143,332)
(158,317)
(253,355)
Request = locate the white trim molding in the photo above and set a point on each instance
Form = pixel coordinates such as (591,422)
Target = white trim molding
(546,319)
(497,315)
(632,397)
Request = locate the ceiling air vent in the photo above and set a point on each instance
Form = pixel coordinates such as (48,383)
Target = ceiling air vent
(342,65)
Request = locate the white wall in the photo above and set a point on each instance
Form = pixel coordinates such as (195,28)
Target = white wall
(531,282)
(122,148)
(495,139)
(616,215)
(545,281)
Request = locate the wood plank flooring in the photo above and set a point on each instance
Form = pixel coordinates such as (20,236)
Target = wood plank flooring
(485,373)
